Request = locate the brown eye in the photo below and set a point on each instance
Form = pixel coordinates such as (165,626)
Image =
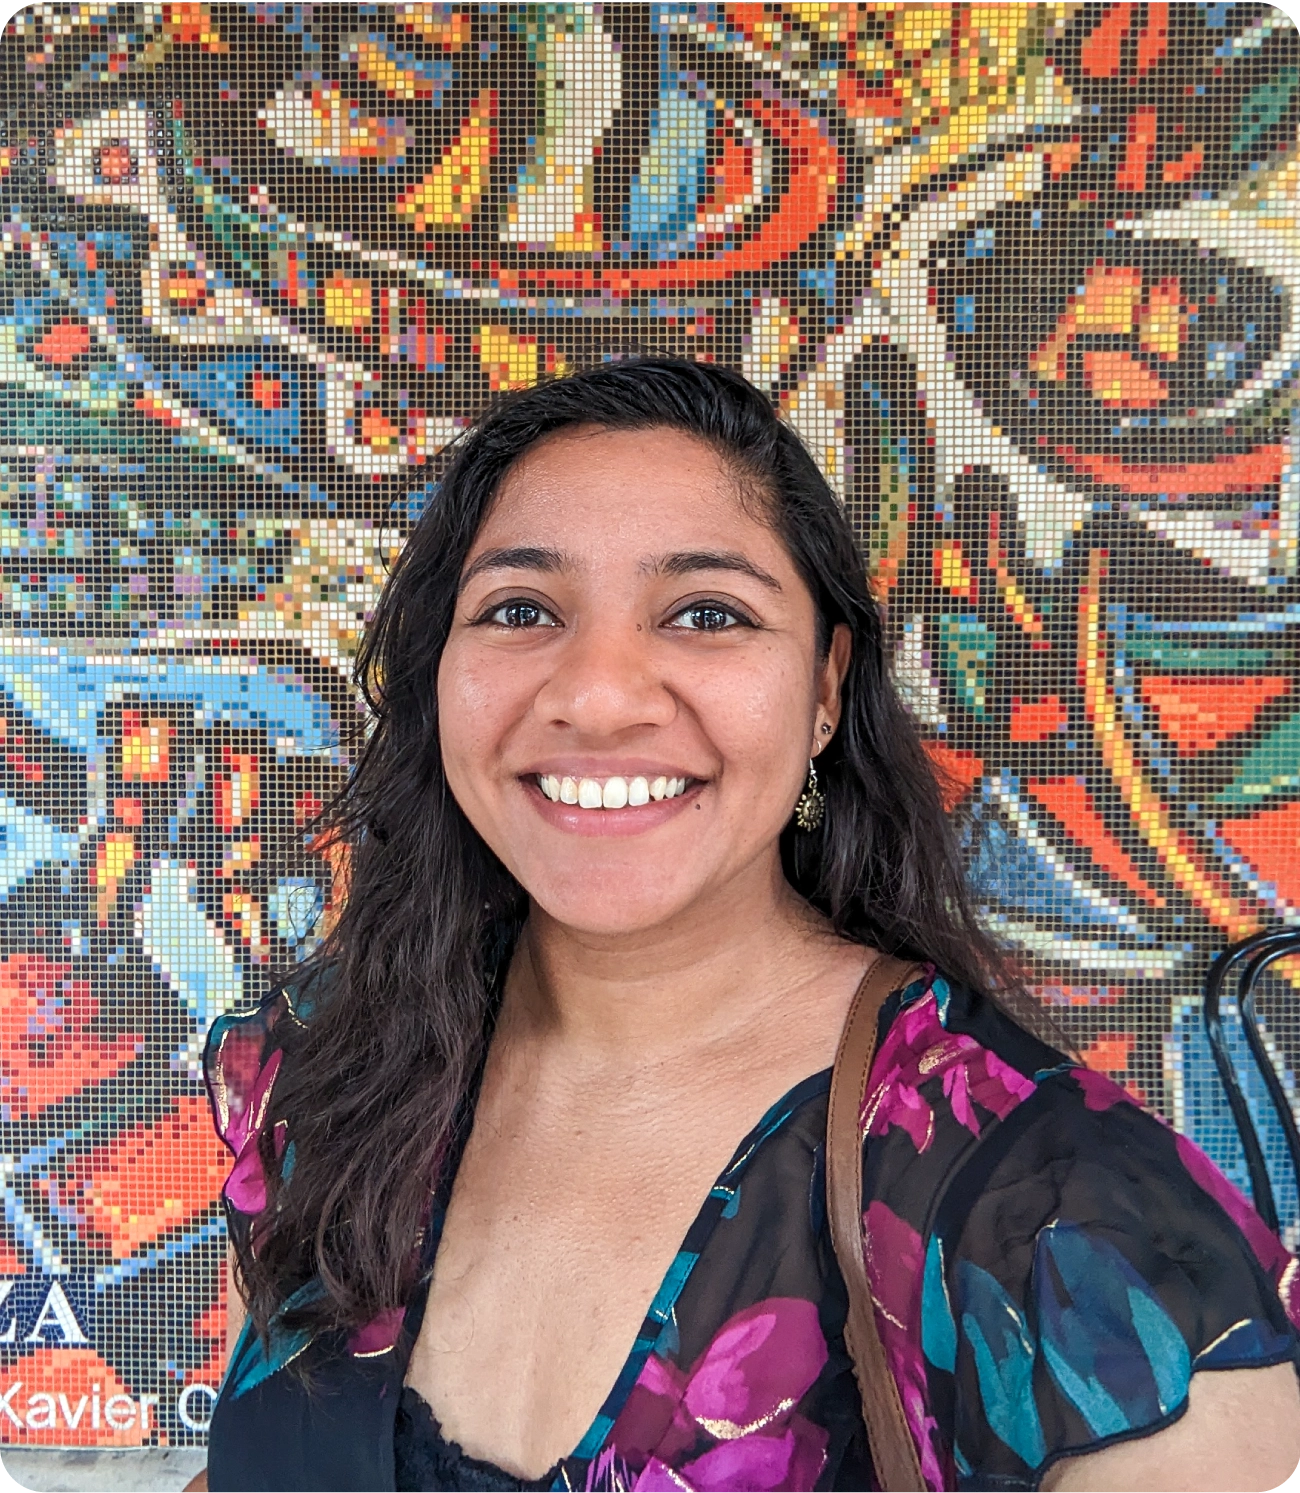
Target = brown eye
(708,616)
(521,613)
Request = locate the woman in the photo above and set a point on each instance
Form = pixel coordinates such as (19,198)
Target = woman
(529,1188)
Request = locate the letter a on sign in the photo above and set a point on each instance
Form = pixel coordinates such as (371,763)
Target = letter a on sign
(56,1311)
(11,1327)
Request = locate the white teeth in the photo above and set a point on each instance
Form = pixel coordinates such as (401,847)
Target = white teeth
(613,793)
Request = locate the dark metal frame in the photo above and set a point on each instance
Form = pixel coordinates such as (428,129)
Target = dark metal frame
(1249,959)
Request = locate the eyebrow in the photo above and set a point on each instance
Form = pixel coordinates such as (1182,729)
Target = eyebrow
(517,557)
(685,562)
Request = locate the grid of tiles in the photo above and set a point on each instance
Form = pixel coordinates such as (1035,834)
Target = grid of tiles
(1024,276)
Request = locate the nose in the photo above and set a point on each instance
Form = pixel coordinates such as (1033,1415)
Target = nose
(605,683)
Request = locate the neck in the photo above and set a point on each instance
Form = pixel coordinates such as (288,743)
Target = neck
(705,976)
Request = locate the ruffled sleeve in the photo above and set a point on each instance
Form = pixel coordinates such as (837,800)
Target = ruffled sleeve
(1085,1263)
(1050,1263)
(240,1063)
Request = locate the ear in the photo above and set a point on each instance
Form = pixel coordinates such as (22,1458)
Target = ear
(830,683)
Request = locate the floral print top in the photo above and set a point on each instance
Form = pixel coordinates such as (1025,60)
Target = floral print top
(1050,1266)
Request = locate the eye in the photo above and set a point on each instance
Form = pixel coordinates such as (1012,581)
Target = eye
(520,612)
(709,616)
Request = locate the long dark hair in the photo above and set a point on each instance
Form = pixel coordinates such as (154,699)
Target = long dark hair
(403,991)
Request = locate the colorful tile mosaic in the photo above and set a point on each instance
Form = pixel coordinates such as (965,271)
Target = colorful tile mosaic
(1025,277)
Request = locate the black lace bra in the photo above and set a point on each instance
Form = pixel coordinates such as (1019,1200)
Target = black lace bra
(428,1463)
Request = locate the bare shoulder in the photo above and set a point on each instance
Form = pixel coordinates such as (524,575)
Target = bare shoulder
(1241,1430)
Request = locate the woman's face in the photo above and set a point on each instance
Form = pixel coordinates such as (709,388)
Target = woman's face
(630,636)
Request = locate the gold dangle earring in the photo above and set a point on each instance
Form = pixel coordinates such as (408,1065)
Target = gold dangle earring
(811,808)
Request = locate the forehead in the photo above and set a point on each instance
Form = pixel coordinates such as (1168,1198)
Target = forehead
(639,486)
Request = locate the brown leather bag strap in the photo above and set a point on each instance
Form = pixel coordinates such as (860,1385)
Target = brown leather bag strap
(893,1451)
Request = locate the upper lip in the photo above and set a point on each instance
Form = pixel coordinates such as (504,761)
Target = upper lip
(630,770)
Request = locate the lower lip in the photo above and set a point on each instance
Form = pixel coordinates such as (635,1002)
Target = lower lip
(606,822)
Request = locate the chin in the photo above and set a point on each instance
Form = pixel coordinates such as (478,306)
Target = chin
(609,905)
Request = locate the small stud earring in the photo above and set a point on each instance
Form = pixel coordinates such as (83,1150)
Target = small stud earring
(826,728)
(811,808)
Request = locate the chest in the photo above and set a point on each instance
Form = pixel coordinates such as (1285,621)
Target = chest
(557,1207)
(560,1237)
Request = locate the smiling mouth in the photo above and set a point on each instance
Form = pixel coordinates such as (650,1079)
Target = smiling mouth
(611,793)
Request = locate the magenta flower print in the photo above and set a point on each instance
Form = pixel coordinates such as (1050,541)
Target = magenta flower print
(1100,1092)
(956,1090)
(762,1362)
(895,1259)
(378,1335)
(892,1096)
(894,1102)
(917,1049)
(731,1420)
(792,1459)
(653,1421)
(246,1186)
(975,1073)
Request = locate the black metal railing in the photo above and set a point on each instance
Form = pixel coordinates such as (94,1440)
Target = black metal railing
(1247,961)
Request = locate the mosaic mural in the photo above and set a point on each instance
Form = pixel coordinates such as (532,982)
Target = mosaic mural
(1025,277)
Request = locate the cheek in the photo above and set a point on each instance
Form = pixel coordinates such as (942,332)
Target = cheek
(478,701)
(760,713)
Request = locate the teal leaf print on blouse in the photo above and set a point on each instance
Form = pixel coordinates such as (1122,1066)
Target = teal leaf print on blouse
(1166,1350)
(942,998)
(252,1361)
(938,1330)
(1004,1361)
(1109,1344)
